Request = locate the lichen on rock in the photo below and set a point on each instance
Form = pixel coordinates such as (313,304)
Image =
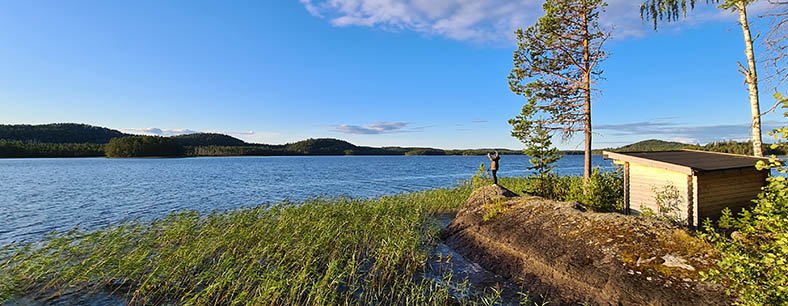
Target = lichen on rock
(571,256)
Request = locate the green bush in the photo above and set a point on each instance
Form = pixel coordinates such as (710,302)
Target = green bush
(754,246)
(481,178)
(604,192)
(669,201)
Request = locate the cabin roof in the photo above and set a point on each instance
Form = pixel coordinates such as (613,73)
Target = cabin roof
(687,161)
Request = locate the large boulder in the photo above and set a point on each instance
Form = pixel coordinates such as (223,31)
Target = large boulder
(569,256)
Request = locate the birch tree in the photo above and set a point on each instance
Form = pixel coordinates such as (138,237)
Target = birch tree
(556,68)
(671,10)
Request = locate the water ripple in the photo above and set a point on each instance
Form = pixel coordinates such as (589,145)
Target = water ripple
(38,196)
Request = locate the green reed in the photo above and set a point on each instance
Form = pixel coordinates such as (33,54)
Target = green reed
(320,252)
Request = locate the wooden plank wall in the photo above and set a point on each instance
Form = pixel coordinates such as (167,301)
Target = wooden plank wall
(734,188)
(642,180)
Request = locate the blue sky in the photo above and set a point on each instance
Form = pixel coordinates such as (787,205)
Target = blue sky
(373,72)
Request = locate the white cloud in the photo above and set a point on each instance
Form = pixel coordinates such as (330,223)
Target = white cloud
(158,131)
(474,20)
(687,140)
(684,133)
(484,20)
(376,128)
(258,136)
(248,136)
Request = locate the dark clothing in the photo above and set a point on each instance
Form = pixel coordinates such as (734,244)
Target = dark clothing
(494,158)
(494,166)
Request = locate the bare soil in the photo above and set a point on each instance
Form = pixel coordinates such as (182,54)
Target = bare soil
(571,257)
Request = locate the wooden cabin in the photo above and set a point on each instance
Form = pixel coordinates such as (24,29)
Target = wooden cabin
(707,182)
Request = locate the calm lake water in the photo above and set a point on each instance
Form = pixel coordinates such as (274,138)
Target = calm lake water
(38,196)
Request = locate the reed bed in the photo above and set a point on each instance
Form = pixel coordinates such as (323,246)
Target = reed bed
(320,252)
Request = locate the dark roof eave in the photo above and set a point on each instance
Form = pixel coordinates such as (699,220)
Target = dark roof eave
(677,167)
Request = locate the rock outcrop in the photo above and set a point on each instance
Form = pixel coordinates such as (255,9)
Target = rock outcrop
(570,256)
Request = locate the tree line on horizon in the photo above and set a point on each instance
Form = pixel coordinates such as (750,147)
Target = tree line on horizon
(134,148)
(81,140)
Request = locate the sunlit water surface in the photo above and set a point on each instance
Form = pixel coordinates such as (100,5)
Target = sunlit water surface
(38,196)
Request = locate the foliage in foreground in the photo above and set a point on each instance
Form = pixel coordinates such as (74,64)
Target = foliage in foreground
(754,246)
(318,252)
(604,192)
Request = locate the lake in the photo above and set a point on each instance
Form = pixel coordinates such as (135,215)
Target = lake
(38,196)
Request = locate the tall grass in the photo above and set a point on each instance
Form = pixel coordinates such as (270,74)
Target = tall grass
(337,251)
(319,252)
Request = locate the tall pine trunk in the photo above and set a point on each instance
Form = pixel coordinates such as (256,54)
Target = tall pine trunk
(751,78)
(587,102)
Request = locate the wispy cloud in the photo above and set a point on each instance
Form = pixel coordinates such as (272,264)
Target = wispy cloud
(158,131)
(684,133)
(480,20)
(241,133)
(376,128)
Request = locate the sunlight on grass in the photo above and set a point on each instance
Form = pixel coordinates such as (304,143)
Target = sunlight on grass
(323,251)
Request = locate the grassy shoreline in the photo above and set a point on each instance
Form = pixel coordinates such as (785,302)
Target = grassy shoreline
(323,251)
(317,252)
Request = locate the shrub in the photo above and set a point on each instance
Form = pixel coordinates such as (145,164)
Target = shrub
(481,178)
(604,192)
(493,209)
(669,202)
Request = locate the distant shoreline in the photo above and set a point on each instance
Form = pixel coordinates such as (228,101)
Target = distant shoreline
(69,140)
(274,155)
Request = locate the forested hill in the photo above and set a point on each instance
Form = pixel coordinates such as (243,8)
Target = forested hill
(83,133)
(58,133)
(81,140)
(208,139)
(734,147)
(653,145)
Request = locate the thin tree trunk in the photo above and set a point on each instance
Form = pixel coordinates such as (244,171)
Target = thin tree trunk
(751,78)
(587,88)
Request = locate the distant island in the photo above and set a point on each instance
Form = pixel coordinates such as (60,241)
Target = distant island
(82,140)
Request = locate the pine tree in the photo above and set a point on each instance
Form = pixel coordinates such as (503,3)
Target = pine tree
(539,146)
(556,66)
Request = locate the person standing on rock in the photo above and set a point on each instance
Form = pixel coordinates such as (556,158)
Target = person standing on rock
(494,158)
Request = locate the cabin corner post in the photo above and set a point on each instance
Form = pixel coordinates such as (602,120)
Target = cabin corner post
(626,189)
(691,200)
(695,200)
